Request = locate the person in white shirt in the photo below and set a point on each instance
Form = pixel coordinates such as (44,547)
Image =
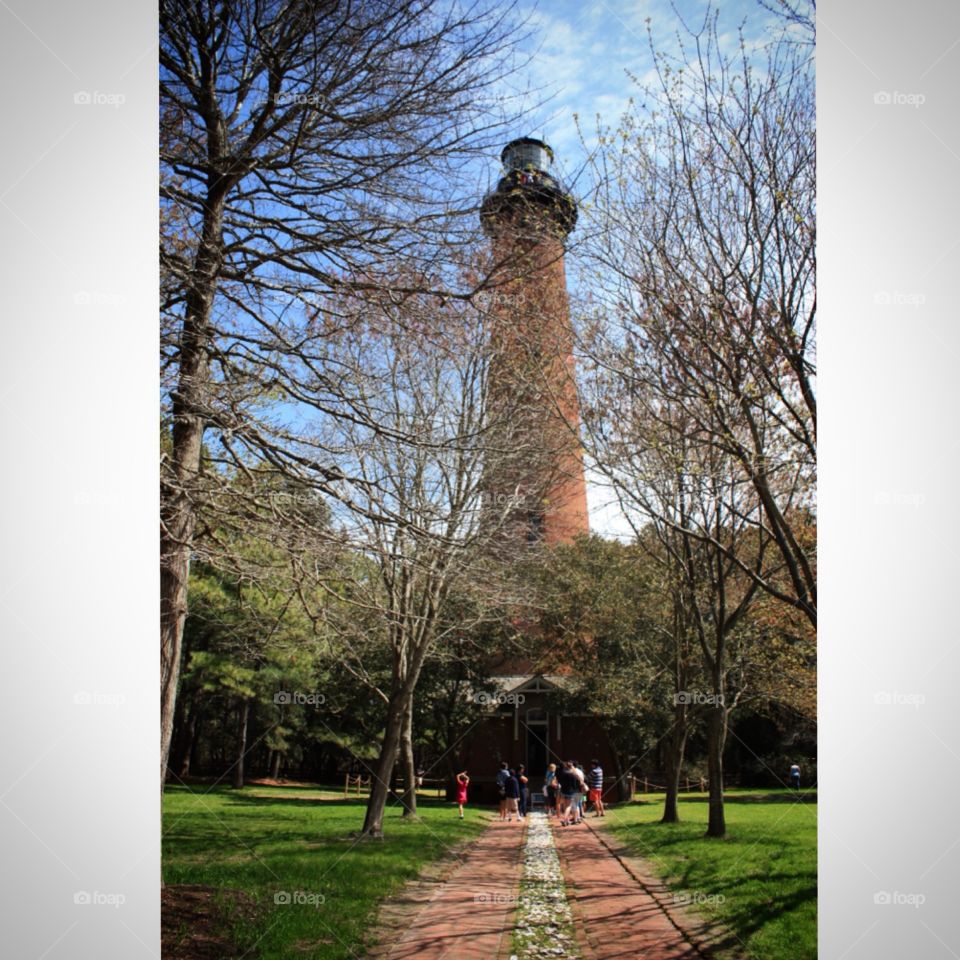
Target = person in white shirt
(795,776)
(583,789)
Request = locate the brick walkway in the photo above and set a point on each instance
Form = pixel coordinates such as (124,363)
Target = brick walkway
(615,916)
(471,915)
(620,911)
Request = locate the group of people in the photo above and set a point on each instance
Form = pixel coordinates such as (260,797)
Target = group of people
(567,792)
(513,787)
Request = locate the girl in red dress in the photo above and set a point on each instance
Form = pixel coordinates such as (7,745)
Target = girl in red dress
(462,781)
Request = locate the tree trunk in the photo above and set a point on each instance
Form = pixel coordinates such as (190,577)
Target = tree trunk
(380,785)
(716,735)
(188,747)
(409,767)
(275,765)
(178,508)
(675,749)
(450,762)
(241,744)
(177,737)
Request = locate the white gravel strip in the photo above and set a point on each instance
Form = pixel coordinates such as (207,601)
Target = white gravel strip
(544,925)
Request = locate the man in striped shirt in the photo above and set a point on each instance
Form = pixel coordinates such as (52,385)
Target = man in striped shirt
(595,783)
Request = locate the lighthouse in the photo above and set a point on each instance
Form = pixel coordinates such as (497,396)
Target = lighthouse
(534,412)
(528,218)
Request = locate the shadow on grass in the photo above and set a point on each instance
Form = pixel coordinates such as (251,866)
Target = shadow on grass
(261,800)
(268,825)
(740,922)
(757,798)
(809,796)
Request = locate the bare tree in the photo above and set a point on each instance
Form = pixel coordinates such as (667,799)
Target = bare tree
(690,503)
(704,259)
(302,141)
(415,461)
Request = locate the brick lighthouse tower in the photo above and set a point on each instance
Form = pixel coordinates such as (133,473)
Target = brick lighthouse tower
(528,218)
(538,468)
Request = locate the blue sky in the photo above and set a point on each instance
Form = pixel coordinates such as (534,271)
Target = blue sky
(582,50)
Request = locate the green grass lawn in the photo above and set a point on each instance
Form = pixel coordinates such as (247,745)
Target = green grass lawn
(765,868)
(273,840)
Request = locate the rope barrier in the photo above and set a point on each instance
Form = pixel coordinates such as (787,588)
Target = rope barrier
(357,781)
(360,781)
(687,785)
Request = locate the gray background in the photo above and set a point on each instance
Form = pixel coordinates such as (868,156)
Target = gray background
(79,805)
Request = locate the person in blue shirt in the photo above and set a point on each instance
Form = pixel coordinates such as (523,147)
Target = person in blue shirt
(550,789)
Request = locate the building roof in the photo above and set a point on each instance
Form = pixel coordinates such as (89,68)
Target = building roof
(516,683)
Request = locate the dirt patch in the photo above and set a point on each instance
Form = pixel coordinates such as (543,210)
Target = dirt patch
(195,921)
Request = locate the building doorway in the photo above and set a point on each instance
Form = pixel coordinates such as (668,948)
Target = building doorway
(538,744)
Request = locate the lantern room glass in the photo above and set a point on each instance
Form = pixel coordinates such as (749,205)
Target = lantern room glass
(526,156)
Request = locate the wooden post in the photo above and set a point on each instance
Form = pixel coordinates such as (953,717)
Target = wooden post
(646,785)
(346,786)
(703,785)
(688,784)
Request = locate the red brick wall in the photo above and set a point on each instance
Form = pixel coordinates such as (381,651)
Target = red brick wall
(533,343)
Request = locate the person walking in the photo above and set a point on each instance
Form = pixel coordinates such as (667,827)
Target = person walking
(595,783)
(513,796)
(795,776)
(523,801)
(569,784)
(582,796)
(550,789)
(503,775)
(463,781)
